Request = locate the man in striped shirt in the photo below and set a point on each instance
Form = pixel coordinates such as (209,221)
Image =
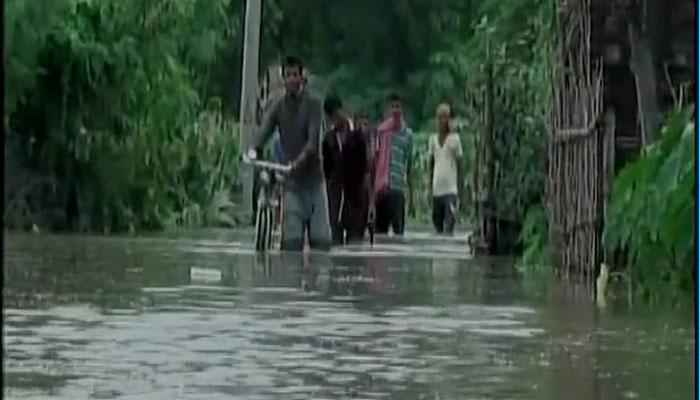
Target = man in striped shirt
(392,183)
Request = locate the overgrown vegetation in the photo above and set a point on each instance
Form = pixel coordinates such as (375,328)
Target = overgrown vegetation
(650,220)
(649,224)
(535,237)
(112,122)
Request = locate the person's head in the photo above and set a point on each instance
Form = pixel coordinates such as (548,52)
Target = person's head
(293,73)
(363,122)
(333,108)
(395,106)
(444,113)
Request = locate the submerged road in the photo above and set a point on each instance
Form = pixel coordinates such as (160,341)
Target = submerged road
(200,316)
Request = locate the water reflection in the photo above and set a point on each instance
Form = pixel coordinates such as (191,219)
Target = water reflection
(206,318)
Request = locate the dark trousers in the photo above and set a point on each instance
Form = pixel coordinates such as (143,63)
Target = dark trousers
(443,213)
(390,211)
(335,198)
(348,224)
(355,218)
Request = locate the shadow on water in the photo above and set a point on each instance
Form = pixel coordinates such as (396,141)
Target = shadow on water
(201,316)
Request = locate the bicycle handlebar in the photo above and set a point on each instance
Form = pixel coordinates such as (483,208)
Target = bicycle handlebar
(267,165)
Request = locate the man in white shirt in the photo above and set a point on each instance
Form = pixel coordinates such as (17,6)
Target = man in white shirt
(445,149)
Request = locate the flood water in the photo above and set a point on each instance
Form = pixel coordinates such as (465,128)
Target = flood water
(200,316)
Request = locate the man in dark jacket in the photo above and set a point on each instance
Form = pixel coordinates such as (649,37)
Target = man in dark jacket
(345,169)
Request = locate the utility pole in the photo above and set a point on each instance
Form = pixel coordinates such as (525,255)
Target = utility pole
(249,93)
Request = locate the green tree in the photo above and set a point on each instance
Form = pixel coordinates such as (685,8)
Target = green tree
(109,107)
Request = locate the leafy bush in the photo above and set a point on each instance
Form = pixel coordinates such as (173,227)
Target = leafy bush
(650,220)
(109,106)
(535,237)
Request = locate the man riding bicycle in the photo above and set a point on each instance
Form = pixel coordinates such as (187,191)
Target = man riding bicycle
(297,116)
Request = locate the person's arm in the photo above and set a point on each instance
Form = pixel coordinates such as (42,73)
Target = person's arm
(460,180)
(409,160)
(270,122)
(460,171)
(310,149)
(431,152)
(374,148)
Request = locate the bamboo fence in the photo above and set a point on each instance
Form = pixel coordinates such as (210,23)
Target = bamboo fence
(579,149)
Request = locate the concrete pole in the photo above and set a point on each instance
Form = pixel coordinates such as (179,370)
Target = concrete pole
(249,93)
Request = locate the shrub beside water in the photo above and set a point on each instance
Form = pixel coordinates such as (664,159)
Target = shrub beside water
(651,213)
(110,117)
(649,224)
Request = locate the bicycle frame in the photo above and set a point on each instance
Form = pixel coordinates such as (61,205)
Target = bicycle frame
(267,217)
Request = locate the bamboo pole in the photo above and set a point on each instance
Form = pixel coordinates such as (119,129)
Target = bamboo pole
(249,93)
(577,171)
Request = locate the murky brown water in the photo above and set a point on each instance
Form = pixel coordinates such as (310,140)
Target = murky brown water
(204,318)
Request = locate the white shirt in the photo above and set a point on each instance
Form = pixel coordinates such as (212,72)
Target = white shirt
(445,158)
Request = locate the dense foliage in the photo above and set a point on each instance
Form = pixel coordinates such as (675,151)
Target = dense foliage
(649,223)
(652,209)
(112,121)
(535,237)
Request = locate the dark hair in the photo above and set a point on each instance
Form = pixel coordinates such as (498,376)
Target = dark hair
(332,104)
(394,97)
(290,62)
(361,113)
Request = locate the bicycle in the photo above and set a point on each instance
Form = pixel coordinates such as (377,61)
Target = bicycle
(267,215)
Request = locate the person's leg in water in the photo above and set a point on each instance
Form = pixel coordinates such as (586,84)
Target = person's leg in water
(363,214)
(450,202)
(344,221)
(397,211)
(355,224)
(293,221)
(383,214)
(319,225)
(307,247)
(356,214)
(438,214)
(335,193)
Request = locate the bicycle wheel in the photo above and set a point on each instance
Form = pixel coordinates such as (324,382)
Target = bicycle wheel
(269,228)
(263,227)
(277,226)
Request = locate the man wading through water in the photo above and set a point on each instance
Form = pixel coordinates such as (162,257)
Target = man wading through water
(365,131)
(392,170)
(445,150)
(297,115)
(345,168)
